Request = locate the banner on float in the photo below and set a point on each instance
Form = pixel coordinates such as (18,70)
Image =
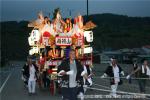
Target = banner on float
(63,41)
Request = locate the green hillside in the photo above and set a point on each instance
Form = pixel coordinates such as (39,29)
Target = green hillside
(117,31)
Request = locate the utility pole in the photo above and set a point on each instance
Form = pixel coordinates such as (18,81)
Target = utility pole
(70,13)
(87,7)
(49,14)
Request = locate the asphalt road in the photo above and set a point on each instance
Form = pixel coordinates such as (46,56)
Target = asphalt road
(4,71)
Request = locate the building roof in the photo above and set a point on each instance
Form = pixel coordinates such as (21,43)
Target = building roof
(147,46)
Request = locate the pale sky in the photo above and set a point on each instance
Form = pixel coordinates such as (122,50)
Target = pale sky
(16,10)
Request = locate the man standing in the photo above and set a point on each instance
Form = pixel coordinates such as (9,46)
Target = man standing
(71,74)
(31,74)
(24,75)
(113,71)
(83,88)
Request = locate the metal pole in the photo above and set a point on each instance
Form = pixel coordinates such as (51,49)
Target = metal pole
(87,8)
(70,13)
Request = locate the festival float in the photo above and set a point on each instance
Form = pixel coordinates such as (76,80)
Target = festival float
(51,40)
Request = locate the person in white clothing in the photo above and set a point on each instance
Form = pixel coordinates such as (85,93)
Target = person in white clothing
(113,71)
(82,90)
(31,73)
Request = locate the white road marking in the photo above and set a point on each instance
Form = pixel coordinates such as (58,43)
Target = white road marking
(101,86)
(5,82)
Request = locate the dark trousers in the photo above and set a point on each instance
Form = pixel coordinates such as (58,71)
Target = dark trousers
(69,93)
(142,85)
(80,89)
(26,82)
(46,82)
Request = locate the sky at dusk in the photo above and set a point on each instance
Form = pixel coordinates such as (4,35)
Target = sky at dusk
(17,10)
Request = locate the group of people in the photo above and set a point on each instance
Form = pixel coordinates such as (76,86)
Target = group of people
(114,72)
(143,72)
(73,75)
(72,72)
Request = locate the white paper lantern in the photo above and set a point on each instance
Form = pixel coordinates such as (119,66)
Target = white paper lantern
(88,50)
(89,36)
